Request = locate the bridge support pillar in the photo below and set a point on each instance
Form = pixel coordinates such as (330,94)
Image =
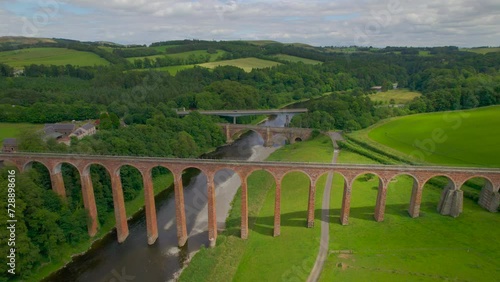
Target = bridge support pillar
(310,205)
(244,209)
(346,204)
(488,199)
(119,207)
(212,216)
(56,179)
(149,202)
(277,209)
(180,212)
(89,202)
(380,206)
(451,201)
(416,199)
(228,134)
(268,141)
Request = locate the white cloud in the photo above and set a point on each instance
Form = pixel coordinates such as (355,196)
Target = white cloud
(339,22)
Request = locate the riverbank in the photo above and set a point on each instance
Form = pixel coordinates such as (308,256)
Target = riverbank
(133,209)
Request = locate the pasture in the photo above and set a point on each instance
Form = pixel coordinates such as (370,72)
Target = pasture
(246,64)
(295,59)
(173,70)
(481,50)
(431,247)
(261,42)
(465,138)
(162,48)
(13,130)
(50,56)
(183,55)
(400,96)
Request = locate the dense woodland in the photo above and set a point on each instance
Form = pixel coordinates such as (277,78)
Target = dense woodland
(137,112)
(448,79)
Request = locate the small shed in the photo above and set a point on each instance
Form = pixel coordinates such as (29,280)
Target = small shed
(9,145)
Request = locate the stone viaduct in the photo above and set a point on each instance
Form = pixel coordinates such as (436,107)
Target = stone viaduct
(450,202)
(292,134)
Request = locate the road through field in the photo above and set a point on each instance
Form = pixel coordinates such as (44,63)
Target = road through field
(325,209)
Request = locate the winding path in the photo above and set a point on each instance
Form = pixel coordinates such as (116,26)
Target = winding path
(325,209)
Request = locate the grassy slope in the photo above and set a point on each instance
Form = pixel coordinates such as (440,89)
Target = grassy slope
(261,42)
(263,257)
(400,96)
(246,63)
(182,55)
(163,48)
(295,59)
(481,50)
(429,248)
(171,69)
(50,56)
(12,130)
(446,138)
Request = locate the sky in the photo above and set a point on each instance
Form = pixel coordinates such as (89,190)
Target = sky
(378,23)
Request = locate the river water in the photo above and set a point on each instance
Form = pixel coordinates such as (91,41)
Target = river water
(134,259)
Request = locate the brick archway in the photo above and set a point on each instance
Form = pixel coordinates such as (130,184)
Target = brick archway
(420,174)
(267,133)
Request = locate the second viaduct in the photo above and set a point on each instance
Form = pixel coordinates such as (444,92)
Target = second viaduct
(292,134)
(450,203)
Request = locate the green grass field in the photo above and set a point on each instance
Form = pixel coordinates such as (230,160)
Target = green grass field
(261,42)
(107,48)
(481,50)
(263,257)
(12,130)
(295,59)
(171,69)
(466,138)
(429,248)
(183,55)
(400,96)
(424,53)
(50,56)
(246,64)
(163,48)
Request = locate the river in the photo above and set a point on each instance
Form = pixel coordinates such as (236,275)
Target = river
(134,259)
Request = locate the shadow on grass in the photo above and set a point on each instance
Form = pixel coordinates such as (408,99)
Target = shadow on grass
(265,224)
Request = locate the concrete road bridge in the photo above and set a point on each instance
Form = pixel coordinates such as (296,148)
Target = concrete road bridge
(292,134)
(240,113)
(450,202)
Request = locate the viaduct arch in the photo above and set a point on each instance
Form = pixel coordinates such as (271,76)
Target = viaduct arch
(292,134)
(450,202)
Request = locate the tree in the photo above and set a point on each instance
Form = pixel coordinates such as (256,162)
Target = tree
(184,145)
(31,141)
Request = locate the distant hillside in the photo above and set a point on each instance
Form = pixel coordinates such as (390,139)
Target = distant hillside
(482,50)
(261,42)
(25,40)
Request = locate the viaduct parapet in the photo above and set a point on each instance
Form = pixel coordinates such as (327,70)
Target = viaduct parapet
(450,202)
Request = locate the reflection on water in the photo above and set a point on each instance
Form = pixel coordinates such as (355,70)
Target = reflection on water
(134,259)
